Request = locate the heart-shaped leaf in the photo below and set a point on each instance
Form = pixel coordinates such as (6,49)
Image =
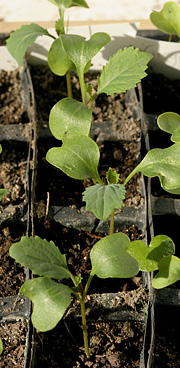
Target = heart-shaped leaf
(69,116)
(169,272)
(170,123)
(103,199)
(69,3)
(58,60)
(42,257)
(149,257)
(164,163)
(168,19)
(123,71)
(50,299)
(22,38)
(78,157)
(109,258)
(81,51)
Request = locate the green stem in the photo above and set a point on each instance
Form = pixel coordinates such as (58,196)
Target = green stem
(130,175)
(93,98)
(68,81)
(87,285)
(170,38)
(112,223)
(84,325)
(81,81)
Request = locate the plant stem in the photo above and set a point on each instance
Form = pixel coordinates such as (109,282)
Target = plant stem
(170,38)
(130,175)
(112,223)
(92,100)
(68,81)
(84,325)
(87,285)
(81,81)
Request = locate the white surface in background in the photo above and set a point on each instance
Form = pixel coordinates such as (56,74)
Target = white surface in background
(43,10)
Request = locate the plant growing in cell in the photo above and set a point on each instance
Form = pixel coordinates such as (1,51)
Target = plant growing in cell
(77,156)
(22,38)
(168,19)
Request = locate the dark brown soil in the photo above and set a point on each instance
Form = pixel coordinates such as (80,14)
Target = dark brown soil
(112,344)
(11,274)
(12,107)
(13,171)
(167,342)
(160,94)
(13,336)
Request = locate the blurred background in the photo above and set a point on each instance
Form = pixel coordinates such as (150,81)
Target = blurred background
(43,10)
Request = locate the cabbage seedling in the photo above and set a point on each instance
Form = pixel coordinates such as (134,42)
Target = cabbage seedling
(168,19)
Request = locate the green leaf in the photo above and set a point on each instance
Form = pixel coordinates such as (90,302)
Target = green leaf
(81,51)
(69,116)
(58,60)
(109,258)
(112,176)
(69,3)
(0,148)
(149,257)
(3,193)
(168,19)
(123,71)
(1,346)
(169,272)
(50,299)
(41,256)
(78,157)
(170,123)
(22,38)
(164,163)
(103,199)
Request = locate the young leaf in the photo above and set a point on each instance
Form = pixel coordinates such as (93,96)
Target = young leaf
(3,193)
(1,346)
(50,299)
(170,123)
(78,157)
(168,19)
(109,258)
(22,38)
(41,256)
(123,71)
(149,257)
(112,176)
(169,272)
(81,51)
(58,60)
(69,3)
(164,163)
(103,199)
(69,116)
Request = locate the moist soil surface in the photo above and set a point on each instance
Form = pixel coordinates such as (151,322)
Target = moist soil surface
(11,274)
(12,107)
(112,344)
(13,336)
(13,171)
